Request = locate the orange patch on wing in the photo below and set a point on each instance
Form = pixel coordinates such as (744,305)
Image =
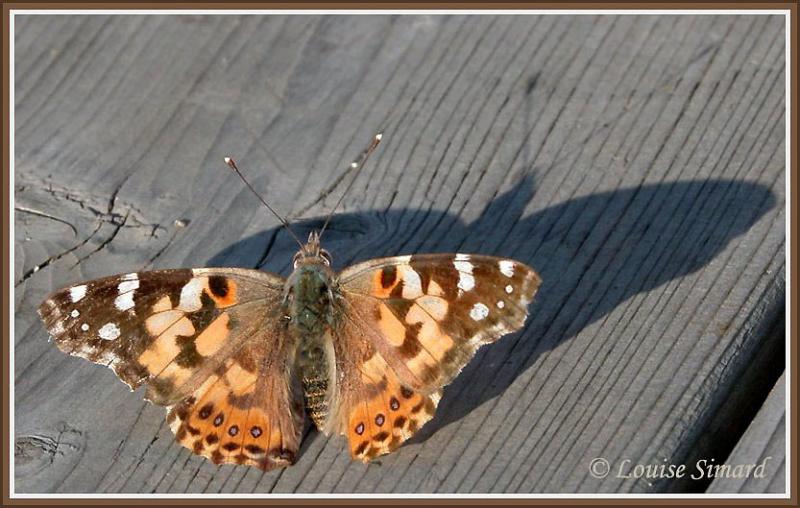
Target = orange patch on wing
(256,437)
(435,289)
(240,380)
(176,374)
(374,369)
(164,349)
(158,323)
(215,428)
(422,363)
(213,337)
(434,342)
(230,434)
(163,304)
(393,329)
(359,430)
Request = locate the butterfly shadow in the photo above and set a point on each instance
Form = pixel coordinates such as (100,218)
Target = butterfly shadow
(592,252)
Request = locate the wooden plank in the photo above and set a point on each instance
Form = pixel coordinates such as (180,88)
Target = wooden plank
(637,162)
(762,445)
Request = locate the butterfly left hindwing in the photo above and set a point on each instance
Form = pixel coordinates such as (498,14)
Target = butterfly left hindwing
(249,410)
(406,326)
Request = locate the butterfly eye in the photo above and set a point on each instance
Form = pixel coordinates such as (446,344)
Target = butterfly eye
(326,257)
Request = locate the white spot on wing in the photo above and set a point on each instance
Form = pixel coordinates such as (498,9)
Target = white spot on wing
(190,295)
(435,306)
(509,289)
(479,311)
(462,265)
(507,267)
(124,301)
(126,289)
(412,284)
(75,313)
(465,279)
(128,285)
(109,331)
(501,304)
(77,293)
(85,327)
(462,257)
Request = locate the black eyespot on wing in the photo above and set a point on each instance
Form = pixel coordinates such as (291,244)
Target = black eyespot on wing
(388,276)
(206,410)
(218,286)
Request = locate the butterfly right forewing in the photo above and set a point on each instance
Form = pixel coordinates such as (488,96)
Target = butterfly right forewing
(431,312)
(406,326)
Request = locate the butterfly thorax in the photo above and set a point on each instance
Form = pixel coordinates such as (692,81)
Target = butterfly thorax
(309,299)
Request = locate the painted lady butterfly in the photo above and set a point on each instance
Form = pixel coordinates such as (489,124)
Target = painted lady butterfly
(239,356)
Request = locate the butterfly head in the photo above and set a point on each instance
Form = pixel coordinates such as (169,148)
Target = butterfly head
(312,252)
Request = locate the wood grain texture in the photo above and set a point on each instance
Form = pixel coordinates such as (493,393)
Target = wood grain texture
(637,162)
(764,442)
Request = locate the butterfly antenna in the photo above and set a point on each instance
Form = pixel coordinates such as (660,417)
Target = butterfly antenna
(232,164)
(356,164)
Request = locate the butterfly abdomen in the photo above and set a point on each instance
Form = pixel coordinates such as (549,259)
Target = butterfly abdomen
(316,367)
(315,394)
(310,318)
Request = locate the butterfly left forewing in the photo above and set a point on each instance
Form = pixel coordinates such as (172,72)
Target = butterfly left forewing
(409,325)
(168,329)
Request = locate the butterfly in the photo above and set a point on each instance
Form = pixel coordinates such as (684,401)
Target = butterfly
(238,357)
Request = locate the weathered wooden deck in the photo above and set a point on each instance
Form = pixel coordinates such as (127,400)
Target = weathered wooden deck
(637,162)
